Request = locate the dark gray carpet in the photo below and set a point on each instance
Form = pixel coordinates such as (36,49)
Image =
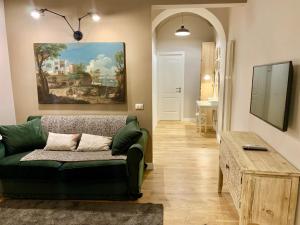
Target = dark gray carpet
(46,212)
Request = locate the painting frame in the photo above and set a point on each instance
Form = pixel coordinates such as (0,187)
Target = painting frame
(81,73)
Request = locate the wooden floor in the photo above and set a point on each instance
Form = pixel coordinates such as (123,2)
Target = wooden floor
(185,178)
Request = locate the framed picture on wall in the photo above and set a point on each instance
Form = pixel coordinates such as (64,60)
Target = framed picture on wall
(80,73)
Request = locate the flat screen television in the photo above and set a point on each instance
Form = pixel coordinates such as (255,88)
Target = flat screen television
(271,93)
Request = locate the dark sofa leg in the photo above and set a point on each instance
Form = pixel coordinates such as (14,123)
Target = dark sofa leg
(136,196)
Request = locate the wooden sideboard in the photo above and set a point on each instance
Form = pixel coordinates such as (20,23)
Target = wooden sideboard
(263,185)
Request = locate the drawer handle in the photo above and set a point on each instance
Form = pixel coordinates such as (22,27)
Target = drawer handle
(227,167)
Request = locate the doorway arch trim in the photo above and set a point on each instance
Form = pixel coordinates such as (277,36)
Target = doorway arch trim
(221,42)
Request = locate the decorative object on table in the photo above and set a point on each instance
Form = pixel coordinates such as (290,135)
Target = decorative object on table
(36,212)
(77,34)
(80,73)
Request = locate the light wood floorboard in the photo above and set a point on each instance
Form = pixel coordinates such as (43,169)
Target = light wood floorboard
(185,178)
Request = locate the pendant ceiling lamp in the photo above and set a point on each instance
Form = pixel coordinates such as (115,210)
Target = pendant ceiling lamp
(182,31)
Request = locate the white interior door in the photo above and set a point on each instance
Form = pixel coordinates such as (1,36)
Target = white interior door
(170,86)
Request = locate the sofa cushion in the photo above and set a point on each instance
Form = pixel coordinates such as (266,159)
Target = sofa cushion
(24,137)
(101,169)
(92,143)
(125,137)
(12,167)
(62,142)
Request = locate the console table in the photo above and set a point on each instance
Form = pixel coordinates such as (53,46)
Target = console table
(200,115)
(263,185)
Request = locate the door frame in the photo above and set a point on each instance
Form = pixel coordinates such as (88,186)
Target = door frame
(162,53)
(221,41)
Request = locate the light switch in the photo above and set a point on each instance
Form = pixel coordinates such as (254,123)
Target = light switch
(139,106)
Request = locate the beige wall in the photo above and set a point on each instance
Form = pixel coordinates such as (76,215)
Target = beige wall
(7,110)
(223,16)
(129,23)
(266,31)
(201,31)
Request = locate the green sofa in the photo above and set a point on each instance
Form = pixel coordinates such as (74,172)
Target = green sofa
(104,179)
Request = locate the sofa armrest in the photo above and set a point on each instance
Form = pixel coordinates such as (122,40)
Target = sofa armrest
(135,164)
(2,150)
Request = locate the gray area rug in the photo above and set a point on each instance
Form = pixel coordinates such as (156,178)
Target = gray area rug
(46,212)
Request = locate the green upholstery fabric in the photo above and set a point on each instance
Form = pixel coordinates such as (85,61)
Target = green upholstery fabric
(24,137)
(131,118)
(95,170)
(112,180)
(2,150)
(52,189)
(125,137)
(135,162)
(12,167)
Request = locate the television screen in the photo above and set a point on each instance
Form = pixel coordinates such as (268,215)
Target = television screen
(271,93)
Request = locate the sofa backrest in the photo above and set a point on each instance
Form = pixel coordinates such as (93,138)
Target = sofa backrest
(104,125)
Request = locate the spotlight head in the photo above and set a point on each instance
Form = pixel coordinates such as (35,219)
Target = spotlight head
(95,17)
(36,14)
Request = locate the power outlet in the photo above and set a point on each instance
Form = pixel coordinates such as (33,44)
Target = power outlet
(139,106)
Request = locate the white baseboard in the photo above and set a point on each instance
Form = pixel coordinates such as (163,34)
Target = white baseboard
(150,166)
(189,119)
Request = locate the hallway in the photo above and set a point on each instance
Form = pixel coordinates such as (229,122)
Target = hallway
(185,178)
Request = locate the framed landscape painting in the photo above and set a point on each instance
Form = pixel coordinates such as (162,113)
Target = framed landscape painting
(80,73)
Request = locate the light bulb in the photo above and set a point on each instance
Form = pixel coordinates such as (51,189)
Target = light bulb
(35,14)
(207,77)
(95,17)
(182,33)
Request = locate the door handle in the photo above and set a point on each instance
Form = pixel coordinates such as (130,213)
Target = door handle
(178,90)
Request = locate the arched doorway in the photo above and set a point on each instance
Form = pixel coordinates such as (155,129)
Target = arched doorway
(221,43)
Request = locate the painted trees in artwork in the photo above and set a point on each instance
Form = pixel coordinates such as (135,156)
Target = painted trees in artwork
(43,52)
(120,74)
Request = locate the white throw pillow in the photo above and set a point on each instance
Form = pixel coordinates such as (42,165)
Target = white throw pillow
(90,142)
(62,142)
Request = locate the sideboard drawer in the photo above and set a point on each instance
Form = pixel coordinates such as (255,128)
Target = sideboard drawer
(231,174)
(235,182)
(224,162)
